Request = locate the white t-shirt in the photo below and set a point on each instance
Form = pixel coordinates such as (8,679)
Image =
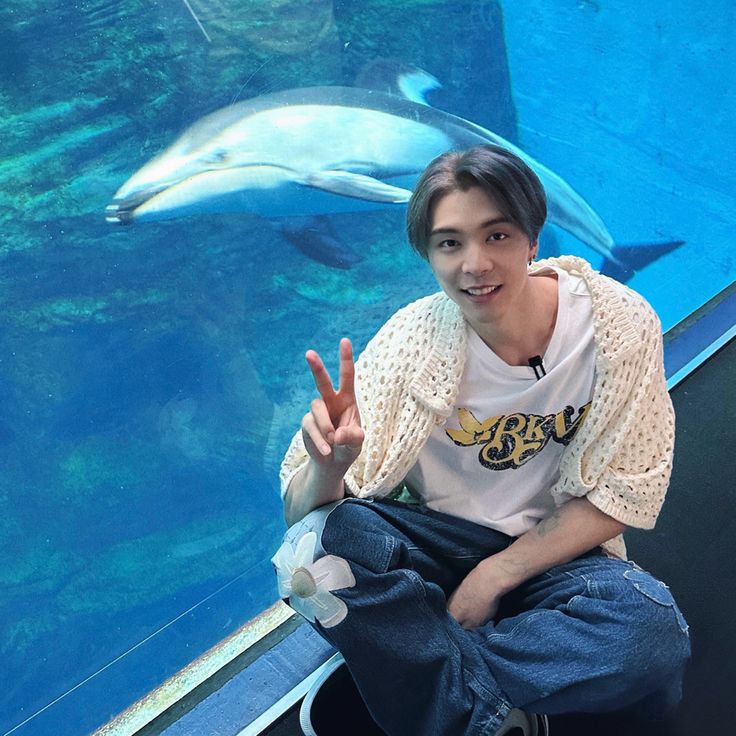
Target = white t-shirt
(496,457)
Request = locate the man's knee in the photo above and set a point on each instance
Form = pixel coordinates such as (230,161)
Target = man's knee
(337,527)
(355,531)
(656,644)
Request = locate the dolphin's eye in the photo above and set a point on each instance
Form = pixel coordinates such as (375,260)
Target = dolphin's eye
(217,157)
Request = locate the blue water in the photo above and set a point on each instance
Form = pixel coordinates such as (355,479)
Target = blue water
(151,375)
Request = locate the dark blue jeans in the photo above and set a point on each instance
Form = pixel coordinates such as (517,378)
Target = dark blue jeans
(593,635)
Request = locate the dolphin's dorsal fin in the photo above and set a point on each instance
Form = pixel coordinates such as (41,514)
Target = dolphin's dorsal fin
(397,78)
(415,85)
(360,186)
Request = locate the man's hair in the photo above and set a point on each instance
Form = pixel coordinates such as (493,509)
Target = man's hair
(514,188)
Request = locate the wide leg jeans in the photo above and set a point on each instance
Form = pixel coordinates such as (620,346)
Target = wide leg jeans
(593,635)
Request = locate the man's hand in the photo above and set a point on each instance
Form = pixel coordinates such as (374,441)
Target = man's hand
(331,429)
(568,532)
(475,601)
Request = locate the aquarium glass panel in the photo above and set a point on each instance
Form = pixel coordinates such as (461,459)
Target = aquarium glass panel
(195,192)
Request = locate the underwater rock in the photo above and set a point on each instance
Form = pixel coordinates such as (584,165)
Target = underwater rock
(287,27)
(177,431)
(150,568)
(120,384)
(102,471)
(290,26)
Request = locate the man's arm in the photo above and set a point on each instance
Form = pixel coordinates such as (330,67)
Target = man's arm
(571,530)
(313,486)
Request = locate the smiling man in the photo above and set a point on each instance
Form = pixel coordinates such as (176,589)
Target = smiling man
(524,410)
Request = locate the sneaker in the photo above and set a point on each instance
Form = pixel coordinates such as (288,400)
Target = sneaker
(333,706)
(519,723)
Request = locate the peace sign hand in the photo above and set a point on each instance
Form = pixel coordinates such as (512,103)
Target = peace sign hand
(331,430)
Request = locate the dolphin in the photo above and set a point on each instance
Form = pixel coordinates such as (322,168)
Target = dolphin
(319,151)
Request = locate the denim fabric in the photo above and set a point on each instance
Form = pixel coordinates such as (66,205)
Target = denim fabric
(593,635)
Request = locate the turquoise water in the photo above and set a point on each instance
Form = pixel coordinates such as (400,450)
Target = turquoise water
(152,374)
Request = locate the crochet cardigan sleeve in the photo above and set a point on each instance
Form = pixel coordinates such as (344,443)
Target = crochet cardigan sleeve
(634,482)
(624,460)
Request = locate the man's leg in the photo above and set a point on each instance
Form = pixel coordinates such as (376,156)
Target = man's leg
(594,635)
(415,667)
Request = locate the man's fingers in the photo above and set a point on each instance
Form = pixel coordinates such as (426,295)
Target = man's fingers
(350,436)
(322,379)
(312,435)
(322,419)
(348,443)
(347,367)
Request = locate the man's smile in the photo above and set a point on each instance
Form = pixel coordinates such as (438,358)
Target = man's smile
(481,290)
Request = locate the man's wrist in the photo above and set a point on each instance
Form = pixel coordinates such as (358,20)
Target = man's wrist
(325,475)
(313,486)
(507,570)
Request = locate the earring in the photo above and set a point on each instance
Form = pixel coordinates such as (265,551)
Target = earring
(530,261)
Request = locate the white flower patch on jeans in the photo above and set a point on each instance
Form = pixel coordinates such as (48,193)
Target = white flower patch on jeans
(307,582)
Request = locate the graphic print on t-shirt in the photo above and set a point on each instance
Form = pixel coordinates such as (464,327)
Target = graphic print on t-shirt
(509,441)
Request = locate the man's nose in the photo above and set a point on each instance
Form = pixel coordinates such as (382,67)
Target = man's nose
(477,258)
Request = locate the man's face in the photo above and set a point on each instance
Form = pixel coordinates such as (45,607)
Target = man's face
(478,256)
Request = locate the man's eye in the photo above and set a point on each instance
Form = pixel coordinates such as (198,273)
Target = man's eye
(448,243)
(497,236)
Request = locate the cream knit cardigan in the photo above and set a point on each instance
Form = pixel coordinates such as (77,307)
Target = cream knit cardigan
(407,381)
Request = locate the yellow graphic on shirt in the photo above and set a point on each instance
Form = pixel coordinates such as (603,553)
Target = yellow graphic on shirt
(509,441)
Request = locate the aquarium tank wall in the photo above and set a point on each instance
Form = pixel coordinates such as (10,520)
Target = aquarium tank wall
(156,311)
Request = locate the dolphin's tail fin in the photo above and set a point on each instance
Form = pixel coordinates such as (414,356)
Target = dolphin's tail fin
(627,259)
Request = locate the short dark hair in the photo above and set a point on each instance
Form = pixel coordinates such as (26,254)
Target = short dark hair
(501,174)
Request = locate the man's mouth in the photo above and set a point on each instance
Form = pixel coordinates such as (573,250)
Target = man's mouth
(481,290)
